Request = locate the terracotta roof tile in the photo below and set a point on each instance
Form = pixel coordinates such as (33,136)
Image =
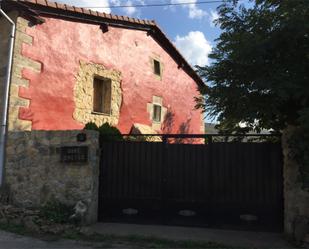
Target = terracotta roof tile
(60,6)
(78,10)
(69,8)
(51,4)
(41,2)
(86,11)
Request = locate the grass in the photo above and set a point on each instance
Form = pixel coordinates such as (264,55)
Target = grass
(109,240)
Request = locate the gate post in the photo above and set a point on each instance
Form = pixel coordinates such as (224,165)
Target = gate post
(164,179)
(210,176)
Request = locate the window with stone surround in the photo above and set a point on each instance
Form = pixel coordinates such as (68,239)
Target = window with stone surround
(84,94)
(156,115)
(102,92)
(157,67)
(156,112)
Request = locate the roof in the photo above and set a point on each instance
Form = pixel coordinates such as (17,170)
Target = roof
(37,8)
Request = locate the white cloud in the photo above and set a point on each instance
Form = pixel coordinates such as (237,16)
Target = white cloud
(129,10)
(89,3)
(195,47)
(212,17)
(194,11)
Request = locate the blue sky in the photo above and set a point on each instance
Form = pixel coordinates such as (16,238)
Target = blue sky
(190,27)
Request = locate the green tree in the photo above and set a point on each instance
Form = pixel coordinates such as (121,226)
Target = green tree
(260,72)
(260,69)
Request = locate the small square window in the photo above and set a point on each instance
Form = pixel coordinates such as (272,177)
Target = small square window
(102,93)
(157,67)
(156,116)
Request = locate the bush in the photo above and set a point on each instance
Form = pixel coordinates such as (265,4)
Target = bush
(107,132)
(91,126)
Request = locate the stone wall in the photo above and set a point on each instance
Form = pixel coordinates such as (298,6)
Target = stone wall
(35,174)
(19,102)
(5,30)
(296,199)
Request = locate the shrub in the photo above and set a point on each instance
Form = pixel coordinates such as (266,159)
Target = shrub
(107,132)
(91,126)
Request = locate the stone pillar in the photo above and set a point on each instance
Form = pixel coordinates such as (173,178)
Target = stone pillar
(36,175)
(296,198)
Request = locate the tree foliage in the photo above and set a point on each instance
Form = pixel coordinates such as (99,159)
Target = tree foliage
(260,70)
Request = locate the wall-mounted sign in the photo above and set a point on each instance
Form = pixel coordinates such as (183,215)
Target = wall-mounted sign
(74,154)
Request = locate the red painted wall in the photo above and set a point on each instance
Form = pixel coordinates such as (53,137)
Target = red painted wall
(59,45)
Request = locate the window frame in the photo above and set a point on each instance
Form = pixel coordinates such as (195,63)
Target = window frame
(103,81)
(154,113)
(157,67)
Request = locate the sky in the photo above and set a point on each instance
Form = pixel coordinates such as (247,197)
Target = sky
(189,27)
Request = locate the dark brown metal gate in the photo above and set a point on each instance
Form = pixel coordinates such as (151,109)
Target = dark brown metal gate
(192,184)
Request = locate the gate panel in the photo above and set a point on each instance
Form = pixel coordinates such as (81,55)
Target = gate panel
(248,180)
(187,173)
(218,182)
(130,176)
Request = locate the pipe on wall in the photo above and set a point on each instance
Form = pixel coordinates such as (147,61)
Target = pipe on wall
(3,129)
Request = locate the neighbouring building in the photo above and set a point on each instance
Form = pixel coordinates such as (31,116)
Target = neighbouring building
(73,66)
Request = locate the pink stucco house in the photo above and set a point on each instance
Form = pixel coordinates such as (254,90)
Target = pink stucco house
(72,66)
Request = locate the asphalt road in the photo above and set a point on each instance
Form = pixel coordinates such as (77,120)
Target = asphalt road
(237,239)
(13,241)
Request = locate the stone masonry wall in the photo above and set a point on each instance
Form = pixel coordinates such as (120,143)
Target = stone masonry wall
(35,174)
(18,102)
(296,199)
(5,30)
(83,94)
